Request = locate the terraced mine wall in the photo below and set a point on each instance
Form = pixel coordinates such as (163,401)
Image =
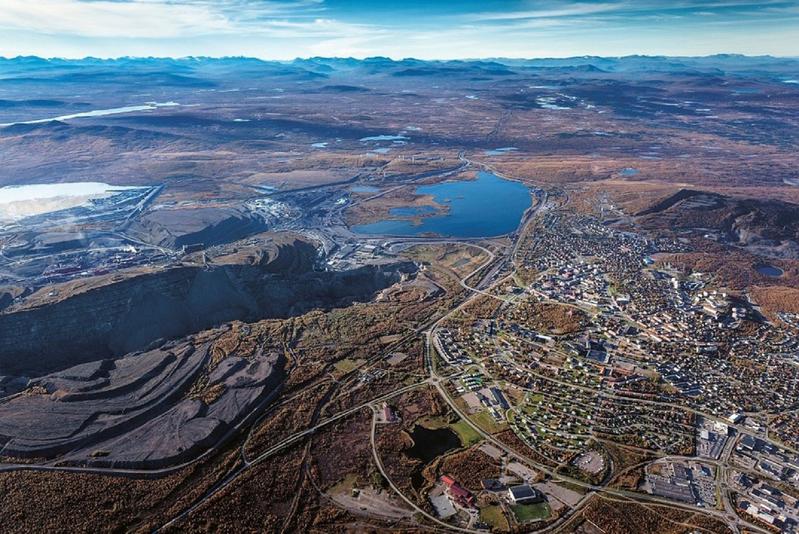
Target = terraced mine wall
(141,410)
(210,226)
(130,315)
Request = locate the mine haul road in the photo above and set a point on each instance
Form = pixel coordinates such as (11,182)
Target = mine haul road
(482,287)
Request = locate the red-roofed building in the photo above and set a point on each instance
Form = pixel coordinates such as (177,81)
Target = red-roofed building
(458,493)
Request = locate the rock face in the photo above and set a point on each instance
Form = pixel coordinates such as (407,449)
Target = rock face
(134,412)
(210,226)
(765,227)
(5,299)
(130,315)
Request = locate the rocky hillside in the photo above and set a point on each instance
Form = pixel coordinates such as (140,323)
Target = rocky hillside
(766,227)
(129,315)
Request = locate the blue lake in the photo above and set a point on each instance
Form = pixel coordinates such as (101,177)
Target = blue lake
(487,206)
(768,270)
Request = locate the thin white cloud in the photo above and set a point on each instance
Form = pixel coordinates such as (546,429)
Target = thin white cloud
(137,19)
(290,28)
(157,19)
(633,9)
(315,29)
(573,10)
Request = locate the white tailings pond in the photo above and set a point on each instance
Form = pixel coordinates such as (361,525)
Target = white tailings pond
(18,202)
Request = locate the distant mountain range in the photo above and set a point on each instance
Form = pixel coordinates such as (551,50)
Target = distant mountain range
(322,66)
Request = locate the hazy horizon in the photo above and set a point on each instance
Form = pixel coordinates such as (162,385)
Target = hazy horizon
(395,58)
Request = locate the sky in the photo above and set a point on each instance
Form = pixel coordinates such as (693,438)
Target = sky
(425,29)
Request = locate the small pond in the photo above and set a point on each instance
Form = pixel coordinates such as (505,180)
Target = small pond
(768,270)
(429,444)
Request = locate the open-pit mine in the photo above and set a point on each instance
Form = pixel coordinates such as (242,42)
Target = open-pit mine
(399,296)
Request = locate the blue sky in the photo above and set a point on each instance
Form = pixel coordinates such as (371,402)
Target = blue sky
(431,29)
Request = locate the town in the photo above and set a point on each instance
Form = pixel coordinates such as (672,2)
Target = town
(592,343)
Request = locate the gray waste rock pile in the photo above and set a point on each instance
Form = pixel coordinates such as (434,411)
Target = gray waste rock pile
(135,411)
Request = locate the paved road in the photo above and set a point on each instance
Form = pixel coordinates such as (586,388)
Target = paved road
(592,489)
(294,438)
(394,487)
(435,380)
